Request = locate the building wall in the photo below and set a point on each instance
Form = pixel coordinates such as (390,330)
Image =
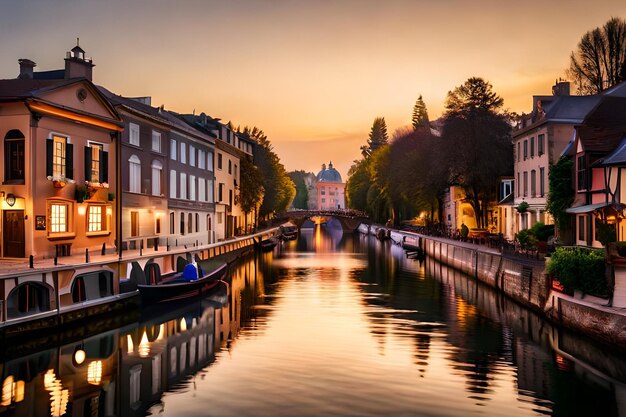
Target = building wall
(330,195)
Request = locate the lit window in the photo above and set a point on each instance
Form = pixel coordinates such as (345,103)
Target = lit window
(156,141)
(133,134)
(58,218)
(94,219)
(183,153)
(192,156)
(173,149)
(157,167)
(58,156)
(96,155)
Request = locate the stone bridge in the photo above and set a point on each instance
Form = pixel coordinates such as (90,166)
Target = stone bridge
(348,219)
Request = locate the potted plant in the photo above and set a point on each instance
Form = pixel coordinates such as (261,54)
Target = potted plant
(522,207)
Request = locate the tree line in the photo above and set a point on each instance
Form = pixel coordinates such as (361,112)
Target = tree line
(469,146)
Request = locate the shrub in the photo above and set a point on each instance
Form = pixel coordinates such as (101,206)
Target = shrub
(522,207)
(526,239)
(580,269)
(542,232)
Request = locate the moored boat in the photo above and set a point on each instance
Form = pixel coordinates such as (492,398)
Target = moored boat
(191,282)
(288,231)
(268,244)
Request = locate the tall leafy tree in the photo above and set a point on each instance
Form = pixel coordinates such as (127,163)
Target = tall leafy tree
(561,193)
(420,115)
(251,190)
(476,136)
(377,137)
(279,189)
(301,199)
(599,61)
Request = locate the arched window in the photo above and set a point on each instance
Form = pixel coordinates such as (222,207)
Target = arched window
(134,174)
(182,223)
(190,223)
(28,298)
(197,222)
(14,157)
(157,168)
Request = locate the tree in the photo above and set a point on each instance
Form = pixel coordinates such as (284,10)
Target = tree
(301,200)
(251,190)
(599,61)
(357,185)
(279,189)
(420,115)
(476,131)
(377,138)
(561,192)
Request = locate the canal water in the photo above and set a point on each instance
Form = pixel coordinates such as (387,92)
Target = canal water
(331,324)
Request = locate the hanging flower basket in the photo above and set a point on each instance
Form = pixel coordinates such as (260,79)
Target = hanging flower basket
(59,181)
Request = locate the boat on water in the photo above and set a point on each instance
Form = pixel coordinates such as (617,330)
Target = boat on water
(288,231)
(191,282)
(411,242)
(364,228)
(268,244)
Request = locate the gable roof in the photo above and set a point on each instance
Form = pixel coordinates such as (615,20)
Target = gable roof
(618,156)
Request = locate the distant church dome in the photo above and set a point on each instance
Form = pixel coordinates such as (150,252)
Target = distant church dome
(329,175)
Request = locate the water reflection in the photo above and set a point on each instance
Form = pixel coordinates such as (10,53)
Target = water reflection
(331,324)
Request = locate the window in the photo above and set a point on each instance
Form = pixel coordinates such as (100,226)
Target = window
(197,222)
(230,197)
(14,157)
(192,187)
(59,218)
(133,134)
(542,181)
(230,167)
(323,200)
(172,219)
(209,161)
(540,144)
(192,156)
(219,161)
(581,168)
(220,192)
(220,218)
(156,141)
(525,150)
(96,161)
(202,190)
(519,184)
(95,221)
(183,185)
(532,147)
(235,172)
(183,153)
(182,223)
(525,183)
(157,168)
(210,191)
(533,183)
(323,192)
(189,223)
(173,148)
(172,184)
(519,151)
(581,228)
(134,174)
(201,159)
(59,156)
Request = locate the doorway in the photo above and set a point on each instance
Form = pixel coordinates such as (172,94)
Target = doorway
(13,239)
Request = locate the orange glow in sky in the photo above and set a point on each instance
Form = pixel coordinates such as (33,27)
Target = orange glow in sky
(312,74)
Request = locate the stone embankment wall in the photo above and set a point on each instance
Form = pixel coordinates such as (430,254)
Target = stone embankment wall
(527,283)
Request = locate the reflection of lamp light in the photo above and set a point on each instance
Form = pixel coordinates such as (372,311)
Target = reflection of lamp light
(144,346)
(129,343)
(183,325)
(79,356)
(7,391)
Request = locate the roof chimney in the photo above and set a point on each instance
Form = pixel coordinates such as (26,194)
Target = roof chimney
(561,88)
(26,68)
(76,65)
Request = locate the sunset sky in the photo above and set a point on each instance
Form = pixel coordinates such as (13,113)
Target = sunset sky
(312,74)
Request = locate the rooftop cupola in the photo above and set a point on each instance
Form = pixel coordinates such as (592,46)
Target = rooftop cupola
(76,65)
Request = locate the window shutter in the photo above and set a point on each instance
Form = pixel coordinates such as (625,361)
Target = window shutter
(49,147)
(69,161)
(88,164)
(104,166)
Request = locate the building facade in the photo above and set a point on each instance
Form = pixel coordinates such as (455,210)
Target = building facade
(330,189)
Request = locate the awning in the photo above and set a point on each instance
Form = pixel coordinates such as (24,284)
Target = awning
(586,209)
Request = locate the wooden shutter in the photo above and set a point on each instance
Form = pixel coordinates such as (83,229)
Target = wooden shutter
(69,161)
(49,147)
(104,166)
(88,163)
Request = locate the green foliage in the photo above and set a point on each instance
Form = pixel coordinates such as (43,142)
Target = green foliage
(526,239)
(251,190)
(464,231)
(377,138)
(580,269)
(542,232)
(476,130)
(522,207)
(606,232)
(80,193)
(358,184)
(301,200)
(561,193)
(420,115)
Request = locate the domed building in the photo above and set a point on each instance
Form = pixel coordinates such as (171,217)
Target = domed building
(330,189)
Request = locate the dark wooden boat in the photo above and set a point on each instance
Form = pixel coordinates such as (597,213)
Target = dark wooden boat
(267,245)
(177,286)
(288,231)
